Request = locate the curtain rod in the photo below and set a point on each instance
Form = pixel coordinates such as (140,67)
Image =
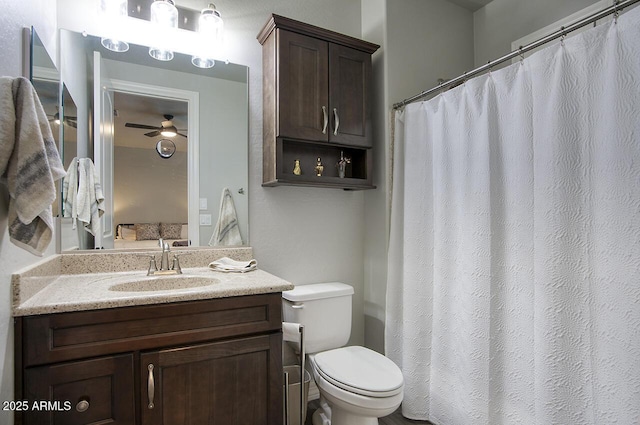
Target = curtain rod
(614,9)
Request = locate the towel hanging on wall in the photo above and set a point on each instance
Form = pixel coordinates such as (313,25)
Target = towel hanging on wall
(29,164)
(227,231)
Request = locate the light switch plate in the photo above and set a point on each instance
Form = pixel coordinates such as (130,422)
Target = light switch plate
(203,203)
(205,219)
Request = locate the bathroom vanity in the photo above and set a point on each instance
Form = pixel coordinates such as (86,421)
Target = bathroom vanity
(191,355)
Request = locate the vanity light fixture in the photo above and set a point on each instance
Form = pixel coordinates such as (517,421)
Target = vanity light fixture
(112,10)
(210,28)
(165,14)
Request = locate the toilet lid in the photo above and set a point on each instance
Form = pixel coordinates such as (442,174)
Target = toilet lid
(360,370)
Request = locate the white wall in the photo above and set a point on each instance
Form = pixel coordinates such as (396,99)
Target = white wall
(15,16)
(503,21)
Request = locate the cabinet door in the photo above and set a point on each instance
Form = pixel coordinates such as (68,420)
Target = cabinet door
(303,101)
(350,78)
(234,382)
(97,391)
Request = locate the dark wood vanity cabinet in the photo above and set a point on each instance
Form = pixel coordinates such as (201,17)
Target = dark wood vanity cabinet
(316,104)
(193,363)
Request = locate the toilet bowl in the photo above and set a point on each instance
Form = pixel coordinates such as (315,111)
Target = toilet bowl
(357,385)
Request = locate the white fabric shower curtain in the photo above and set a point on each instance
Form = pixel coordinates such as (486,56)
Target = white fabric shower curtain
(513,294)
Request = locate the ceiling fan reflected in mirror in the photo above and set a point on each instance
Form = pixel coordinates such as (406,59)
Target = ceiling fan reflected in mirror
(166,129)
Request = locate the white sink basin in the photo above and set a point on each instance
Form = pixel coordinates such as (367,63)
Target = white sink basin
(163,283)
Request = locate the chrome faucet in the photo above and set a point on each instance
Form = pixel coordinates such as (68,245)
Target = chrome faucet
(165,268)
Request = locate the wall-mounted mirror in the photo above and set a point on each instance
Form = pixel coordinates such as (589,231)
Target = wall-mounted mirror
(124,103)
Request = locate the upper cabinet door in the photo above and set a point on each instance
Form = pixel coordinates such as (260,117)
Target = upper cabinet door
(350,77)
(303,109)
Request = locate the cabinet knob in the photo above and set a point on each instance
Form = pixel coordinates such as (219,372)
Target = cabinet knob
(83,405)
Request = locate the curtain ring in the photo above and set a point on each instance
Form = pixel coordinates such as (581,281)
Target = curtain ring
(616,11)
(521,54)
(564,35)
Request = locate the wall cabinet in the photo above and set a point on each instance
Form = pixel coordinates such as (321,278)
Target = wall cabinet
(316,104)
(192,363)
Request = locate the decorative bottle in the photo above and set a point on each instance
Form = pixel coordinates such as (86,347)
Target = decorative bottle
(319,167)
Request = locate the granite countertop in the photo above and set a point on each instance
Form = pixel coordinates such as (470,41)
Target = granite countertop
(52,288)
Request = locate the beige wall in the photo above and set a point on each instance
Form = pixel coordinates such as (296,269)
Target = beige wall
(148,188)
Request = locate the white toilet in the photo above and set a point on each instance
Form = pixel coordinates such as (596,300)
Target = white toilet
(357,385)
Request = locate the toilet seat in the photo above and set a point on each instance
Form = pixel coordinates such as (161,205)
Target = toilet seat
(360,371)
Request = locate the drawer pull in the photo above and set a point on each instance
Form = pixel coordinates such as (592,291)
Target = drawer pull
(151,386)
(82,406)
(337,121)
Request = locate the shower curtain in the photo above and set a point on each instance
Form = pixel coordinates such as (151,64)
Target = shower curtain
(513,292)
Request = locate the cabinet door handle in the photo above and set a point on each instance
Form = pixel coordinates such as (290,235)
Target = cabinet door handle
(151,386)
(337,120)
(325,120)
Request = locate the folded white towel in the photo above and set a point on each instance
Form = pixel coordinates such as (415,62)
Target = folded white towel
(226,264)
(29,164)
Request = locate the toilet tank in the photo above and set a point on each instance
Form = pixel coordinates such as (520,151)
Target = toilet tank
(325,311)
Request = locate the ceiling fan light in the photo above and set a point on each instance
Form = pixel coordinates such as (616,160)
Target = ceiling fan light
(171,131)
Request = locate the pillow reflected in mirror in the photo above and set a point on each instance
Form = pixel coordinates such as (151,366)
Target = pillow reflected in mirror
(147,231)
(170,230)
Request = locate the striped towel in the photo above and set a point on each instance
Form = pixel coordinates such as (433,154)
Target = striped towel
(29,164)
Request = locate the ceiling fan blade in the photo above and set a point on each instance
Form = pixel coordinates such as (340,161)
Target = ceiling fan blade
(143,126)
(152,133)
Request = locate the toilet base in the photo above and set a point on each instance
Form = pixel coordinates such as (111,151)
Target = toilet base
(325,415)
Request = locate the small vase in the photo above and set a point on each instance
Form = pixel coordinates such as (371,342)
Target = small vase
(296,168)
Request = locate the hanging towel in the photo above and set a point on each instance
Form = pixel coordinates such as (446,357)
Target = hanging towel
(29,164)
(88,204)
(227,231)
(70,192)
